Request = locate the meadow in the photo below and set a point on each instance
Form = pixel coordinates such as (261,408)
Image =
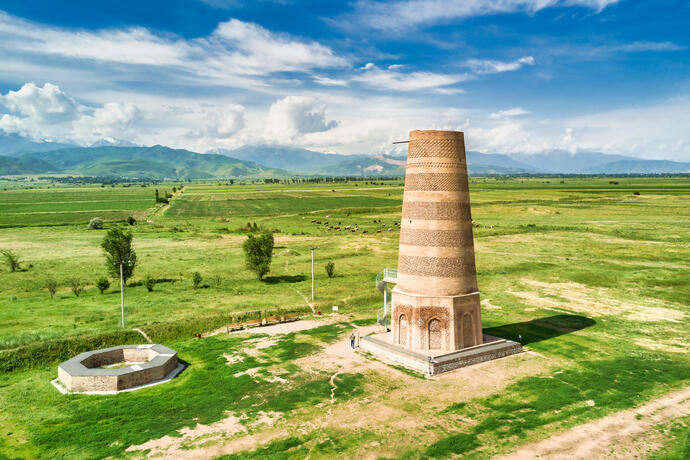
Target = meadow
(591,274)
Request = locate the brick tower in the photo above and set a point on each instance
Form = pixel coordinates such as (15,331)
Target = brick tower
(435,305)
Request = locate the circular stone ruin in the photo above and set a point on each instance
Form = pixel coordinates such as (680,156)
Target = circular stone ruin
(117,368)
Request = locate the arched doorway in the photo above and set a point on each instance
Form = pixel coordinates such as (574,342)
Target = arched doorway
(435,335)
(468,331)
(402,330)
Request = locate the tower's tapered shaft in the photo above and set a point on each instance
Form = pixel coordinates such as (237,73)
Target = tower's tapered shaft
(436,303)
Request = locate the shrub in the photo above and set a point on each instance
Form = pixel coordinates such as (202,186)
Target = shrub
(102,283)
(258,251)
(196,280)
(96,223)
(45,352)
(330,269)
(131,220)
(117,247)
(217,280)
(76,286)
(11,259)
(51,285)
(149,282)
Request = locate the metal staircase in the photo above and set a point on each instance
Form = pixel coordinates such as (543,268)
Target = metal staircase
(387,275)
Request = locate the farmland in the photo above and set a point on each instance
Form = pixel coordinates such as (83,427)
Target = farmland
(591,274)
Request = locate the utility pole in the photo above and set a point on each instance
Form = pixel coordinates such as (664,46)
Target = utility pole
(312,272)
(122,291)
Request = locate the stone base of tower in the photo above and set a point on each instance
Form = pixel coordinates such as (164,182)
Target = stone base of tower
(435,323)
(381,346)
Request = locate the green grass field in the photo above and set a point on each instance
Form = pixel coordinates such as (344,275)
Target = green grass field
(594,279)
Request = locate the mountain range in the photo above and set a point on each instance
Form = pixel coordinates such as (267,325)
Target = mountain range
(155,162)
(114,157)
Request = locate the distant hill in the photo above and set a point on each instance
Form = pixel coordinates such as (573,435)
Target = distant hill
(289,158)
(640,167)
(14,145)
(562,162)
(15,166)
(155,162)
(378,165)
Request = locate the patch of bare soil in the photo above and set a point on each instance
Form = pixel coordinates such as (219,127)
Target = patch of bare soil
(666,345)
(486,303)
(593,301)
(627,434)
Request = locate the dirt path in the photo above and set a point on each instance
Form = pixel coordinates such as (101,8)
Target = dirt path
(311,305)
(143,334)
(626,434)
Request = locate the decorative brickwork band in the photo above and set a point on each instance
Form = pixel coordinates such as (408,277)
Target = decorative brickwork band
(435,210)
(442,267)
(434,238)
(434,164)
(448,148)
(435,182)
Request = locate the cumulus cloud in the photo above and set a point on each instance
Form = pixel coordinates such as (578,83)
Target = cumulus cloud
(47,112)
(401,16)
(220,123)
(393,79)
(489,66)
(295,115)
(514,112)
(44,104)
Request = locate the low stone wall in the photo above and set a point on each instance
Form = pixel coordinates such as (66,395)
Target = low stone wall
(492,348)
(84,371)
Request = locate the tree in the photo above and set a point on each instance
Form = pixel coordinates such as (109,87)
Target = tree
(131,220)
(196,280)
(96,223)
(102,283)
(76,286)
(330,269)
(51,285)
(117,247)
(149,282)
(258,251)
(12,260)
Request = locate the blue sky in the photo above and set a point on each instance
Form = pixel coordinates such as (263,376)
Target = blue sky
(351,77)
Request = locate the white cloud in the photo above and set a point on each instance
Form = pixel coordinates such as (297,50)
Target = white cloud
(401,16)
(514,112)
(296,115)
(234,54)
(49,113)
(326,81)
(44,104)
(413,81)
(489,66)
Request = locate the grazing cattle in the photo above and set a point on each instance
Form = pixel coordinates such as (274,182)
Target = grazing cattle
(347,227)
(390,229)
(365,231)
(378,231)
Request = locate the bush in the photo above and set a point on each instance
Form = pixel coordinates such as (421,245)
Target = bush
(46,352)
(196,280)
(117,247)
(330,269)
(102,283)
(51,285)
(96,223)
(258,251)
(149,282)
(11,259)
(76,286)
(131,220)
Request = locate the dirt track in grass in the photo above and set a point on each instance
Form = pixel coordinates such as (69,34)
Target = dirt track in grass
(623,435)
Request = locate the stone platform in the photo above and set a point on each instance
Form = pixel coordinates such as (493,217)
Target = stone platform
(434,362)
